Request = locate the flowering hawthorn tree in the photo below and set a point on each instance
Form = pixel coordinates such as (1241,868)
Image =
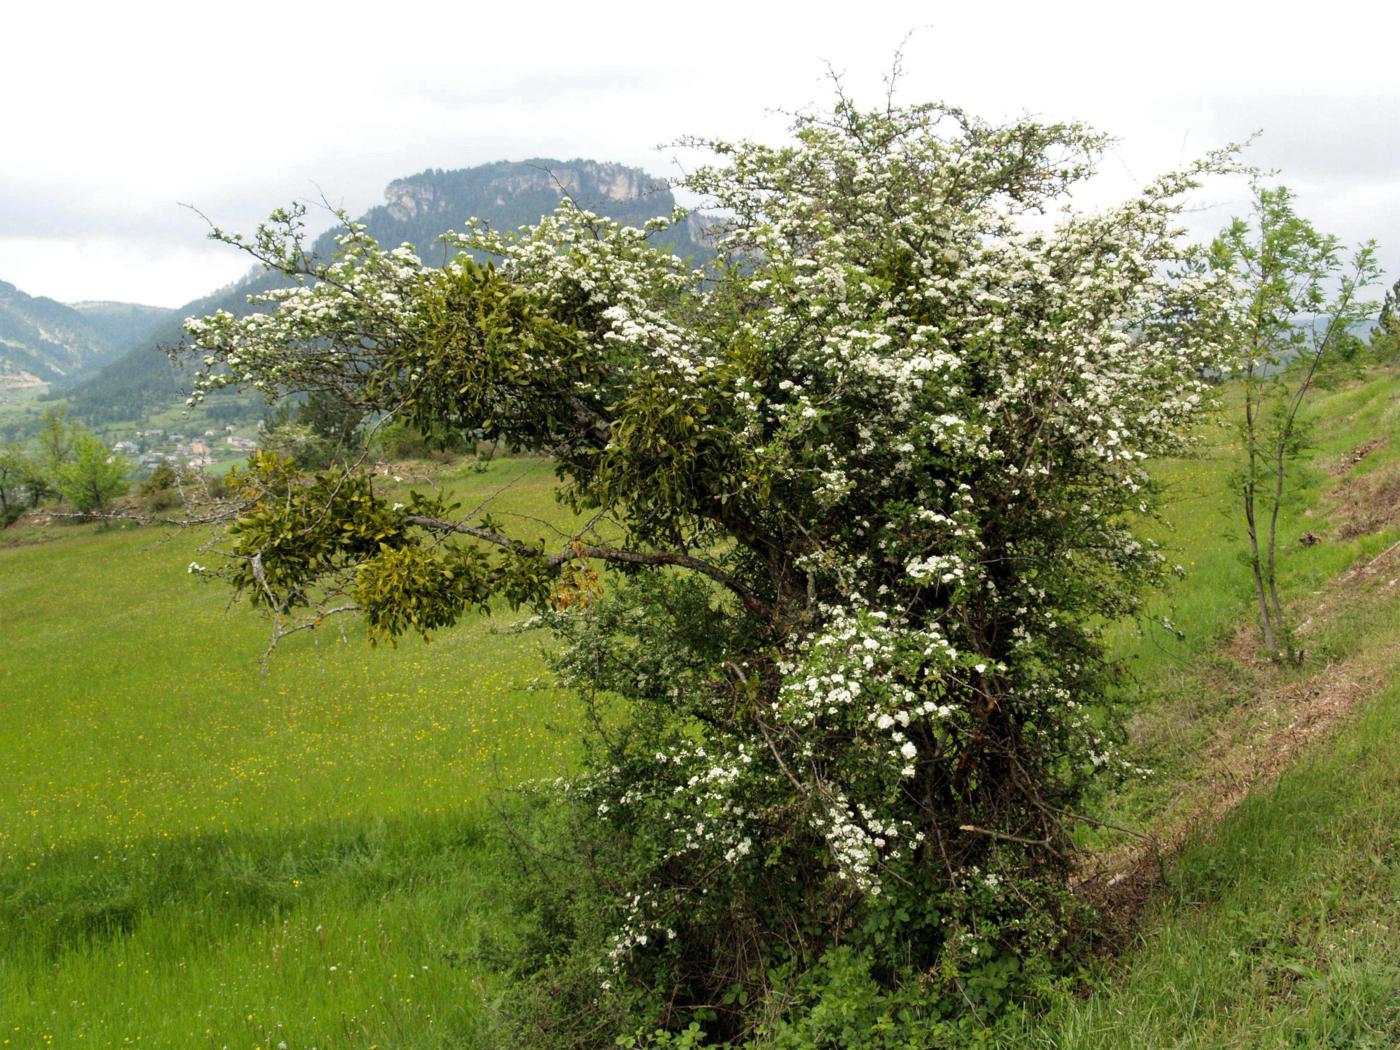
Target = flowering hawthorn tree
(866,481)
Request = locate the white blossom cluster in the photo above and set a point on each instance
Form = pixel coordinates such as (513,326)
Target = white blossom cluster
(327,327)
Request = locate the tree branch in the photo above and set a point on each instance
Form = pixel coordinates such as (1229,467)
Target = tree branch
(612,555)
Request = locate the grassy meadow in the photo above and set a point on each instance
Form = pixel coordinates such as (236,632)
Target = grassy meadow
(195,853)
(1280,929)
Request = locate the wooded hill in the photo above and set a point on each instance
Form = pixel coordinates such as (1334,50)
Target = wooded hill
(45,341)
(417,211)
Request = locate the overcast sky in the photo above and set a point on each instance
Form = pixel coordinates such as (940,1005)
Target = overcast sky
(115,114)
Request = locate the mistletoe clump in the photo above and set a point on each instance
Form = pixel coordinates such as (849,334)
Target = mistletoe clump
(865,482)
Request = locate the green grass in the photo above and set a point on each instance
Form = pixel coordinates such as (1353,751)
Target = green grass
(1204,531)
(1281,930)
(1281,926)
(1179,680)
(194,853)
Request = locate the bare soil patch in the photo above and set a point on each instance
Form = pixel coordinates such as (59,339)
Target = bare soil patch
(1343,464)
(1368,503)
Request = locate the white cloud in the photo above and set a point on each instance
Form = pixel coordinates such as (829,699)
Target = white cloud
(117,113)
(122,270)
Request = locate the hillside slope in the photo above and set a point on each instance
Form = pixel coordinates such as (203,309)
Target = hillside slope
(1274,801)
(44,341)
(121,324)
(417,211)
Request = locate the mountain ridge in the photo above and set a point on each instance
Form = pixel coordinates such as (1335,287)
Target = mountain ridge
(45,341)
(122,323)
(417,210)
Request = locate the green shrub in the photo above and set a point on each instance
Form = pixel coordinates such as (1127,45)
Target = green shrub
(161,489)
(94,477)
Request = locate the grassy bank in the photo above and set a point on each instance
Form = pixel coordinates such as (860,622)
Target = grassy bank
(1276,792)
